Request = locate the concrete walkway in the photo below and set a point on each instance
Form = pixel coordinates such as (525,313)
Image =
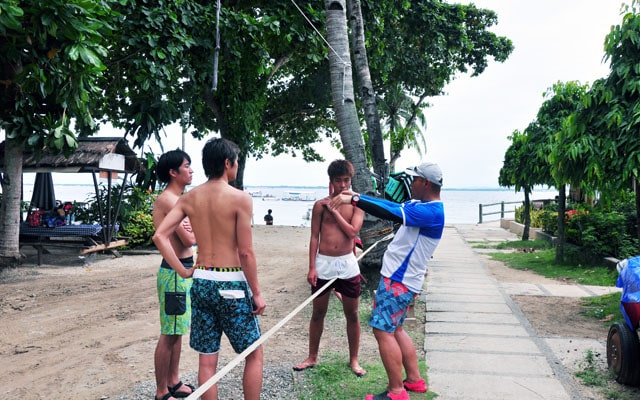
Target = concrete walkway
(478,342)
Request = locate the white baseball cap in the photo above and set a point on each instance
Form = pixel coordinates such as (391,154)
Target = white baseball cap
(428,171)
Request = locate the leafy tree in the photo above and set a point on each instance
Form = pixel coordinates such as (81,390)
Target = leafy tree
(51,59)
(603,132)
(405,123)
(451,39)
(562,101)
(515,172)
(268,96)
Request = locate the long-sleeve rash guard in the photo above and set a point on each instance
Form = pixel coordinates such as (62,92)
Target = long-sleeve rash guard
(406,257)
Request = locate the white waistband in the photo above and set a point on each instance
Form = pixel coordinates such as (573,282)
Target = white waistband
(219,276)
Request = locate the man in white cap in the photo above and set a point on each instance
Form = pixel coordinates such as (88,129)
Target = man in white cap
(404,266)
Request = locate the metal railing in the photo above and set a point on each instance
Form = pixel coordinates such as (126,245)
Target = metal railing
(535,204)
(502,211)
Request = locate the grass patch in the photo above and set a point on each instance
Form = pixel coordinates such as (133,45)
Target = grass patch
(524,244)
(589,373)
(543,262)
(605,309)
(592,375)
(332,379)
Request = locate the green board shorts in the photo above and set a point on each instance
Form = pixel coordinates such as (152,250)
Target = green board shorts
(169,281)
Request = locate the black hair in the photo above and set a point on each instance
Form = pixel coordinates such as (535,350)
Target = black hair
(340,168)
(171,160)
(214,153)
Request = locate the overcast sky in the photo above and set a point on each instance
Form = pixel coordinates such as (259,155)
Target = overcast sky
(555,40)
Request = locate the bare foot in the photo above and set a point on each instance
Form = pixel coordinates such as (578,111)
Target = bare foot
(358,370)
(306,364)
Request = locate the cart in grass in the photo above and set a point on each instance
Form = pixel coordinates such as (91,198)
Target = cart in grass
(623,344)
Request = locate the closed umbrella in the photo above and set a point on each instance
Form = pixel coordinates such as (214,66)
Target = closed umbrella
(43,197)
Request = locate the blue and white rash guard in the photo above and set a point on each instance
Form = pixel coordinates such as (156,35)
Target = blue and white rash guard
(406,257)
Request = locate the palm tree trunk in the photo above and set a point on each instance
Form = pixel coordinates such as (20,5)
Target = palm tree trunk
(367,93)
(11,181)
(342,93)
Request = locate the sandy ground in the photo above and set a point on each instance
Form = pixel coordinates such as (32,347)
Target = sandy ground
(72,330)
(86,329)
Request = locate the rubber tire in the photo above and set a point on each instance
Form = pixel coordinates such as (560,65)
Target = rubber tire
(623,354)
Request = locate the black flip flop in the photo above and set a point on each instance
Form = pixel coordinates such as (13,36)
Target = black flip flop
(177,394)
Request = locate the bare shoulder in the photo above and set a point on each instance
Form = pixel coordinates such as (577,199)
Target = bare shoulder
(165,201)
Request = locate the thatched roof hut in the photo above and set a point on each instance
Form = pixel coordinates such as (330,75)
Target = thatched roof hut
(92,155)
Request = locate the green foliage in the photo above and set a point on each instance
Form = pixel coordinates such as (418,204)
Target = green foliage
(543,263)
(536,216)
(139,228)
(589,372)
(605,234)
(524,244)
(603,307)
(548,221)
(52,55)
(333,372)
(135,215)
(605,230)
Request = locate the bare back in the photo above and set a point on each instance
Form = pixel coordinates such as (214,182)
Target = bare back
(220,217)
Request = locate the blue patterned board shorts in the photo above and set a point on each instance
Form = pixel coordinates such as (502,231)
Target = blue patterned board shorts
(169,281)
(222,306)
(392,302)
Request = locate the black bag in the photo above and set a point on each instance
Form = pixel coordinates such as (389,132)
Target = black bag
(175,303)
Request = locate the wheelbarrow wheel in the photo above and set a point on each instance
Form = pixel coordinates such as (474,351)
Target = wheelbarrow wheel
(623,354)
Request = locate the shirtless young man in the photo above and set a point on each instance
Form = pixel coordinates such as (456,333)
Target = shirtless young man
(225,296)
(331,255)
(404,266)
(174,169)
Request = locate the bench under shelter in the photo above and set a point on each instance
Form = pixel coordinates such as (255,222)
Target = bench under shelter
(106,158)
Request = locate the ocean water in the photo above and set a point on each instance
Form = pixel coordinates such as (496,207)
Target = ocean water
(461,205)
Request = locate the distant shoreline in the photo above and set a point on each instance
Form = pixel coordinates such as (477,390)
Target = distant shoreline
(466,189)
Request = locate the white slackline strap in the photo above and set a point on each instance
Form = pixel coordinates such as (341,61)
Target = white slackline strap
(212,381)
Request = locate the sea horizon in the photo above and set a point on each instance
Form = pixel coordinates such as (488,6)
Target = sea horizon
(461,204)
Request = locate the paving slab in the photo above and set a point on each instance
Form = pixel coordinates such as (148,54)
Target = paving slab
(478,343)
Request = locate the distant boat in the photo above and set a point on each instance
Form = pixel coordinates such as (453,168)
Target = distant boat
(270,197)
(255,193)
(299,196)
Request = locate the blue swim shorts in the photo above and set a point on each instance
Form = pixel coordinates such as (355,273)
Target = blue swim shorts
(392,302)
(221,302)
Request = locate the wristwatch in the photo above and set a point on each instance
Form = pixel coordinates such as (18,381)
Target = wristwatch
(355,199)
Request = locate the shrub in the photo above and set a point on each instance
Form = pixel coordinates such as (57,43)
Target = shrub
(604,234)
(535,215)
(139,228)
(135,214)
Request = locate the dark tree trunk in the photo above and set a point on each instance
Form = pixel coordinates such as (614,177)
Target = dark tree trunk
(11,181)
(562,201)
(367,93)
(527,214)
